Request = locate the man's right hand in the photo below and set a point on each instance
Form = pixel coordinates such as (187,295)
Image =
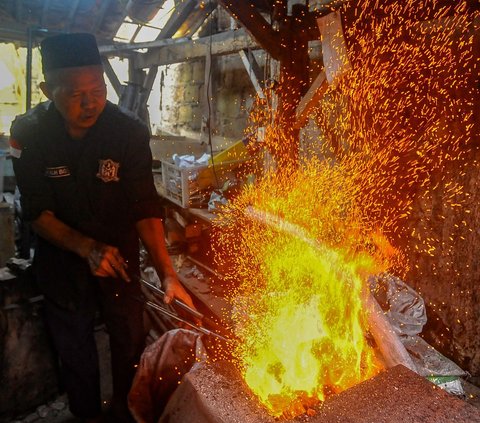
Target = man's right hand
(106,261)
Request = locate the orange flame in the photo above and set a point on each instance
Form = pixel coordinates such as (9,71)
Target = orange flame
(299,310)
(300,243)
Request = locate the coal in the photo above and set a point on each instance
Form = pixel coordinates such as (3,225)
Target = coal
(215,393)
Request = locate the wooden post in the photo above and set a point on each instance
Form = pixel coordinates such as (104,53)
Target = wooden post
(293,83)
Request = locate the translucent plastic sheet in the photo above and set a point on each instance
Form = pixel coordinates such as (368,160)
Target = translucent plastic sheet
(403,306)
(162,366)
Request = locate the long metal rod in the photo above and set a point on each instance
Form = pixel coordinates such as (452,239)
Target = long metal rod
(176,302)
(186,322)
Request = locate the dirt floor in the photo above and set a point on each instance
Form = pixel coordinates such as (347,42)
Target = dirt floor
(56,411)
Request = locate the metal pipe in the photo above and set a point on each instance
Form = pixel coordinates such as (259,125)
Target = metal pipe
(186,322)
(176,302)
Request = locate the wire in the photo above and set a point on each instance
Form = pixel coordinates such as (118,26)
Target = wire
(209,107)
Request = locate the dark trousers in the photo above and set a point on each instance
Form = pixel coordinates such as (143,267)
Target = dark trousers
(73,337)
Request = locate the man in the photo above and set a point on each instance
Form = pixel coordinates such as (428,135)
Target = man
(83,168)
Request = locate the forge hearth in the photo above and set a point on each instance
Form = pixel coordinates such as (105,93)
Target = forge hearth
(215,393)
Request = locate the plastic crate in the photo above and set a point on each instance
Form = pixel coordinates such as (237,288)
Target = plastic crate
(180,184)
(188,186)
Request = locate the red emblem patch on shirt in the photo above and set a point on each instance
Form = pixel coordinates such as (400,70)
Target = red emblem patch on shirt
(15,148)
(108,170)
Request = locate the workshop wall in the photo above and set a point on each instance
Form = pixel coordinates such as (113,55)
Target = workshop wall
(183,107)
(439,117)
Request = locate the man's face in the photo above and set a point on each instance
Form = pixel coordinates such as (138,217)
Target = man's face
(79,95)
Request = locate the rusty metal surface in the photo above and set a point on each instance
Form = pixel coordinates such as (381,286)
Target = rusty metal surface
(214,393)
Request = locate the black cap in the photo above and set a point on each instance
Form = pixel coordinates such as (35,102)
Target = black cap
(69,50)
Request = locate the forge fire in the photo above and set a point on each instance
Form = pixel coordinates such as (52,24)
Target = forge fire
(304,240)
(300,311)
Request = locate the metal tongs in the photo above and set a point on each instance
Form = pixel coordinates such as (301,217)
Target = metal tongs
(196,314)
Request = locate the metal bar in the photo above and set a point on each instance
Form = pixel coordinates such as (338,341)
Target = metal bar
(176,302)
(186,322)
(112,76)
(204,266)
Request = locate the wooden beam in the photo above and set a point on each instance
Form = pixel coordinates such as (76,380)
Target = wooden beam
(293,80)
(256,25)
(334,48)
(18,10)
(101,15)
(206,130)
(254,71)
(263,5)
(13,31)
(184,50)
(314,94)
(46,5)
(177,18)
(175,21)
(117,48)
(335,61)
(140,106)
(196,20)
(71,14)
(112,77)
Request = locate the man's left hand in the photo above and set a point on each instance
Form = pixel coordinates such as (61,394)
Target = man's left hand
(174,289)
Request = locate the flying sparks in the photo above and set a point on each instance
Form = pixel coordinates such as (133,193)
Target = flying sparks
(300,243)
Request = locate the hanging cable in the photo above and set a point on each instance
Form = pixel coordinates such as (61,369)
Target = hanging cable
(208,60)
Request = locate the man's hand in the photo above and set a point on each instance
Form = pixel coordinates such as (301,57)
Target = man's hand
(106,261)
(174,289)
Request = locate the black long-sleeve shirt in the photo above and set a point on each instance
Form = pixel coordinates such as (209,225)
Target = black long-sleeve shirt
(99,185)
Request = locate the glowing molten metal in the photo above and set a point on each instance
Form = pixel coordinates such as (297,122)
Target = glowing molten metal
(299,310)
(300,244)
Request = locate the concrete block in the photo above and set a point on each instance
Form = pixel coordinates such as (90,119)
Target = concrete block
(191,93)
(185,73)
(216,393)
(198,72)
(185,114)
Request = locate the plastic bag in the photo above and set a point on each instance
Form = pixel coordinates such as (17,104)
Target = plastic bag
(160,370)
(403,306)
